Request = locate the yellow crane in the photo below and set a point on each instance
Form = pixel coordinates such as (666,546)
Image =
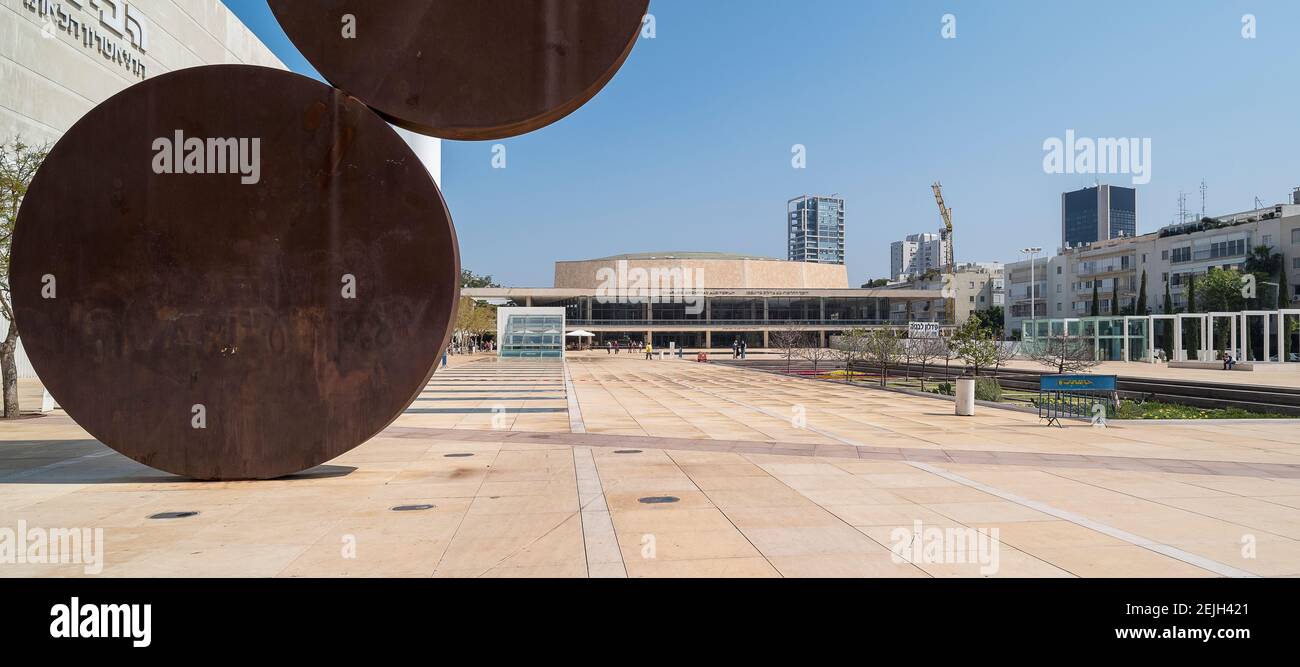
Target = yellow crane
(949,265)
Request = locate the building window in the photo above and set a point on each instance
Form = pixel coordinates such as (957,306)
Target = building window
(1268,239)
(1228,248)
(1058,270)
(1058,289)
(1182,255)
(1164,254)
(1295,236)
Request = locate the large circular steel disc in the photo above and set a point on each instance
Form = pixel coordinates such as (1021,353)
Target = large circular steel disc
(466,69)
(233,272)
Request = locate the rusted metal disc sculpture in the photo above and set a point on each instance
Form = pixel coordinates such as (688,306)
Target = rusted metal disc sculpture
(486,69)
(234,272)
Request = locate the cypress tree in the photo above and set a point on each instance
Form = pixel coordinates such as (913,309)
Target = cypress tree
(1096,300)
(1141,308)
(1282,298)
(1169,300)
(1114,298)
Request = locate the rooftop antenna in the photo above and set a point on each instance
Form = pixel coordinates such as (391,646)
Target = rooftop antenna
(1258,204)
(1203,189)
(1182,207)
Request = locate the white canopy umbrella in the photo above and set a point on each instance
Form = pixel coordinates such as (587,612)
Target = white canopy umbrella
(579,334)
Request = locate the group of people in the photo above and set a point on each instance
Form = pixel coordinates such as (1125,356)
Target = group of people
(739,348)
(471,347)
(614,346)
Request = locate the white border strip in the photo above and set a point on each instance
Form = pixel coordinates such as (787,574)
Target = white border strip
(576,425)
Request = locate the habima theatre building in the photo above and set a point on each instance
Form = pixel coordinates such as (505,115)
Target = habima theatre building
(703,300)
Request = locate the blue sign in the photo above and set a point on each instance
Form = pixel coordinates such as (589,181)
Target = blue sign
(1076,383)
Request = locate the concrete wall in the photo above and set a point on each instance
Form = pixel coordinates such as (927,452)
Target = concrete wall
(50,76)
(716,273)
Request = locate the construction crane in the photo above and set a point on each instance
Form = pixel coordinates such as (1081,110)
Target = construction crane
(949,265)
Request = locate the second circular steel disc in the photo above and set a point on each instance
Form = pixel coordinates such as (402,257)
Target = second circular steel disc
(233,272)
(473,70)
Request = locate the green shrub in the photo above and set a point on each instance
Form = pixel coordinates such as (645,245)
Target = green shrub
(1161,410)
(987,389)
(944,388)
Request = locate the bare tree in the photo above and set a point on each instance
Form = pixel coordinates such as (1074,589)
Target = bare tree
(949,353)
(907,350)
(814,352)
(1066,354)
(1004,352)
(882,347)
(927,350)
(850,345)
(18,164)
(789,341)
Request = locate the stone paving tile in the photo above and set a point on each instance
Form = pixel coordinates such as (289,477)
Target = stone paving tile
(756,496)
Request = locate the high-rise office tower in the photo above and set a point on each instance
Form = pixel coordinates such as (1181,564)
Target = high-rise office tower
(1097,214)
(816,229)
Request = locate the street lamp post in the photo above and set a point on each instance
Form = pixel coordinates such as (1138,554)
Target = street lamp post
(1033,305)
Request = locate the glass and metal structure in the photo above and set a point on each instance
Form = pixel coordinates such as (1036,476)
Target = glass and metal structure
(816,229)
(531,335)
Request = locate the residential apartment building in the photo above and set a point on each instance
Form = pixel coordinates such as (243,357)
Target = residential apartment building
(1062,285)
(976,286)
(915,255)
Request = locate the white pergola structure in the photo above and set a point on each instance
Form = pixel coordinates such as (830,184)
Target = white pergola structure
(1138,335)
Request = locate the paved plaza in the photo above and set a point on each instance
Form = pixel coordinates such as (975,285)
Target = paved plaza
(612,466)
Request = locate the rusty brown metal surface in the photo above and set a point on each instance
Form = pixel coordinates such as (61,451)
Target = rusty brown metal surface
(466,69)
(143,296)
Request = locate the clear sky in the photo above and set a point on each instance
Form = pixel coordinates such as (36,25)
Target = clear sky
(689,147)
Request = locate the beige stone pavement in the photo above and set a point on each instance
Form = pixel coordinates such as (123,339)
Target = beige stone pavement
(771,476)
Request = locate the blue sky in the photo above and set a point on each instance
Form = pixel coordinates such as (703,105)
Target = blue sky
(689,147)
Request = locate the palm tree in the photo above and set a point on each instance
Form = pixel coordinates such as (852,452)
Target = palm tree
(1266,265)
